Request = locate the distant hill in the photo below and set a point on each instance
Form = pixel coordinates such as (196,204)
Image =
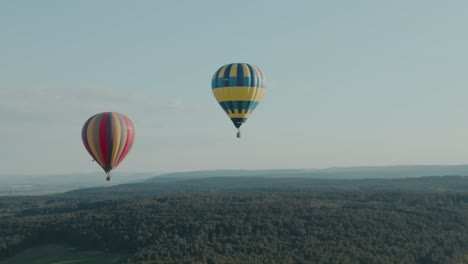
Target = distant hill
(270,184)
(177,176)
(48,184)
(363,172)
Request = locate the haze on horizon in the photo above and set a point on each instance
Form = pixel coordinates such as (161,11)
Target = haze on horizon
(349,83)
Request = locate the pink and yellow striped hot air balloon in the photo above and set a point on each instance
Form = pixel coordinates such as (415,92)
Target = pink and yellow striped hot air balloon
(108,137)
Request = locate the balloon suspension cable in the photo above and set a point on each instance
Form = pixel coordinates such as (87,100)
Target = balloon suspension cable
(108,178)
(238,133)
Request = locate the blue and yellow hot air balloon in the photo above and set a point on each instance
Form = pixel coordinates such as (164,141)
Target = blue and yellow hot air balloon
(238,88)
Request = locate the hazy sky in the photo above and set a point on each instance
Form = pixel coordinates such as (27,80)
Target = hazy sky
(349,82)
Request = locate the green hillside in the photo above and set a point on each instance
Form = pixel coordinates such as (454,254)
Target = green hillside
(269,184)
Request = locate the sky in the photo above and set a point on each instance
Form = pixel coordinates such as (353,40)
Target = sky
(349,83)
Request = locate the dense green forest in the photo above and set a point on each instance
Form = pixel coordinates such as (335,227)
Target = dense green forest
(260,224)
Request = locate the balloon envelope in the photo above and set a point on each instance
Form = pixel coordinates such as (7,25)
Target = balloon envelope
(108,137)
(238,88)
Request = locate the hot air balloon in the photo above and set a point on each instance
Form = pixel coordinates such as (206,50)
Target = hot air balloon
(238,88)
(108,137)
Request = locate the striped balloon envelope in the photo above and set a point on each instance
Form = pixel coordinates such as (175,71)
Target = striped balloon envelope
(108,137)
(238,88)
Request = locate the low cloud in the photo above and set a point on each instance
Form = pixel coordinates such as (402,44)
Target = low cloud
(60,105)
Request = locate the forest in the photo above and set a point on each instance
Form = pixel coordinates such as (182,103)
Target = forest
(256,225)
